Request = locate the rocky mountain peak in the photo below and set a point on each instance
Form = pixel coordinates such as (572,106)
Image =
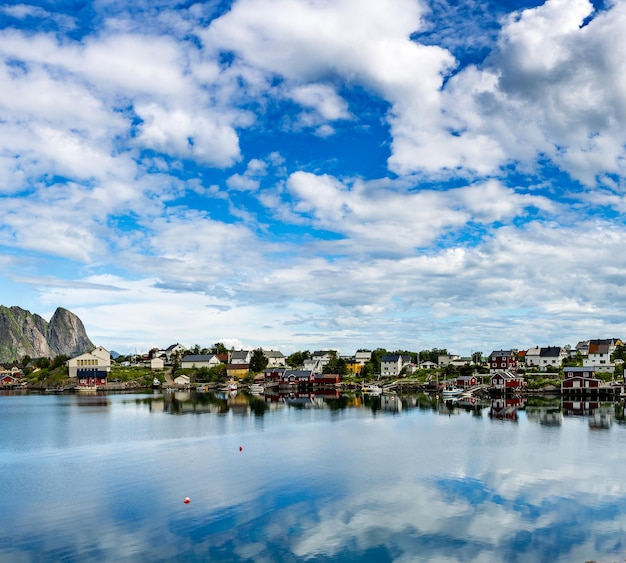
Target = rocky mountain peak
(24,333)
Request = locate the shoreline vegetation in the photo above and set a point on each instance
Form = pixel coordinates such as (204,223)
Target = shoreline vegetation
(431,381)
(51,375)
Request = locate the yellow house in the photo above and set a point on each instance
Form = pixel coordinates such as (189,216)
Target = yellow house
(240,371)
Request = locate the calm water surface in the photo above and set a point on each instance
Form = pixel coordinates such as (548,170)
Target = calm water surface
(103,478)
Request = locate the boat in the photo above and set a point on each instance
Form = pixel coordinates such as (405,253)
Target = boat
(156,384)
(256,388)
(232,386)
(372,389)
(451,392)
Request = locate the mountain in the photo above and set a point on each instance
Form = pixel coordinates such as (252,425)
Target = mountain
(24,333)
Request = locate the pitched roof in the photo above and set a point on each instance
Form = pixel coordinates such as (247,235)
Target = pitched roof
(198,358)
(239,355)
(390,358)
(550,352)
(273,354)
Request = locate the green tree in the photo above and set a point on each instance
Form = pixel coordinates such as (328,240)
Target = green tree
(26,360)
(335,365)
(367,370)
(59,361)
(296,359)
(258,362)
(477,358)
(219,348)
(43,363)
(376,357)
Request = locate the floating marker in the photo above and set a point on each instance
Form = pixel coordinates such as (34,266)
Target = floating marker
(187,500)
(240,448)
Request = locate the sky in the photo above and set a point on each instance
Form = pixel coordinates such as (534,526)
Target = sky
(314,174)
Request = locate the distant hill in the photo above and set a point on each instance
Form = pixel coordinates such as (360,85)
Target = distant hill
(24,333)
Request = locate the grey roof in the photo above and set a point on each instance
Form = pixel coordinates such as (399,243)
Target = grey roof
(198,358)
(499,353)
(390,358)
(239,354)
(550,351)
(273,354)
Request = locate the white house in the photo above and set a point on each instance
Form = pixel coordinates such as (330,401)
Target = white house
(599,355)
(317,361)
(156,364)
(549,356)
(362,357)
(275,359)
(170,351)
(199,361)
(446,359)
(531,359)
(182,381)
(391,364)
(98,359)
(240,357)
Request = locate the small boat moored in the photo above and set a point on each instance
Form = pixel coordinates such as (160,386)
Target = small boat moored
(256,388)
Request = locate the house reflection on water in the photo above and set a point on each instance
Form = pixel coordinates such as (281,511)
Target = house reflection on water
(506,408)
(547,413)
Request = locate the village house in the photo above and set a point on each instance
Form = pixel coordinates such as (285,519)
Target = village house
(318,360)
(362,357)
(466,381)
(507,381)
(240,357)
(238,371)
(578,379)
(443,360)
(500,360)
(550,356)
(10,376)
(182,381)
(94,365)
(198,361)
(326,379)
(391,364)
(275,358)
(599,355)
(156,364)
(300,377)
(171,352)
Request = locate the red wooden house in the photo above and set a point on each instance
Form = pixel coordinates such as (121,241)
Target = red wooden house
(579,379)
(7,379)
(507,381)
(299,377)
(502,360)
(465,381)
(91,378)
(327,379)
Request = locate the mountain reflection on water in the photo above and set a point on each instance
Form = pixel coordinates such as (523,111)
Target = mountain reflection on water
(311,477)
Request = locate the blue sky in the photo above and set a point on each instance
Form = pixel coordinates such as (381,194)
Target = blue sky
(304,174)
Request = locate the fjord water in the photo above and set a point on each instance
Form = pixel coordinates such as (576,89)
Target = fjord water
(103,478)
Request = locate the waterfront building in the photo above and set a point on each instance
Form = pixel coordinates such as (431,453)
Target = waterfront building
(94,364)
(579,378)
(507,381)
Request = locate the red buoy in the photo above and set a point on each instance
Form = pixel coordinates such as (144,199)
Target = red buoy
(240,448)
(187,500)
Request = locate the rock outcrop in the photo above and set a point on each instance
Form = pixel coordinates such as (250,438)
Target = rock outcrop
(23,333)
